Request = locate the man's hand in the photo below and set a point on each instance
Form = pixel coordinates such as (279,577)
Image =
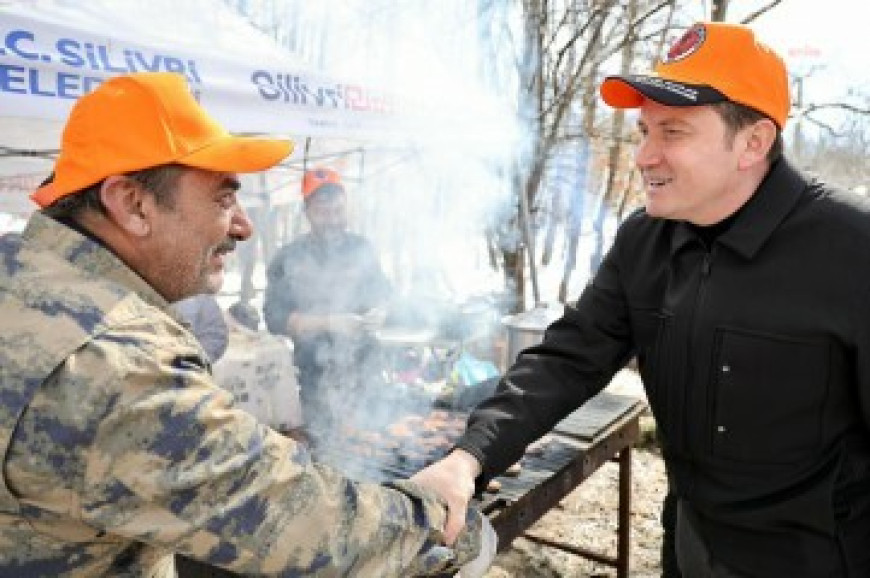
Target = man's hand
(451,478)
(344,324)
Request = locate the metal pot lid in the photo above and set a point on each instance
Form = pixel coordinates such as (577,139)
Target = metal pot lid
(536,319)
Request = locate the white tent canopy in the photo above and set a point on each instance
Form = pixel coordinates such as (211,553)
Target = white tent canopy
(53,51)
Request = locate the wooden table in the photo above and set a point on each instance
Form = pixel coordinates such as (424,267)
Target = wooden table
(604,429)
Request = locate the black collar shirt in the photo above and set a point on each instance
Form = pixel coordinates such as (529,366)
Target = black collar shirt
(755,354)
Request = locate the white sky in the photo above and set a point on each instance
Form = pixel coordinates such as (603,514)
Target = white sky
(828,33)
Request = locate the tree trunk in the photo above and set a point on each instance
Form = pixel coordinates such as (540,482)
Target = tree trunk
(514,278)
(575,226)
(570,265)
(615,155)
(719,11)
(554,219)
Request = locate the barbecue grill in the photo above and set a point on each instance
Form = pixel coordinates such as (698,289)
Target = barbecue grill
(604,429)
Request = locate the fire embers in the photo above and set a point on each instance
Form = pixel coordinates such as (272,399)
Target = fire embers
(398,450)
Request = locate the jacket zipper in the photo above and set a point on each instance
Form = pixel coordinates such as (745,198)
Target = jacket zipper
(706,266)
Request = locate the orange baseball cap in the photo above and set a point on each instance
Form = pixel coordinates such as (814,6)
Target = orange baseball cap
(712,62)
(143,120)
(315,178)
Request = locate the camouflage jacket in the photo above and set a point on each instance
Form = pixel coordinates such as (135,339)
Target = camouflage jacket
(119,450)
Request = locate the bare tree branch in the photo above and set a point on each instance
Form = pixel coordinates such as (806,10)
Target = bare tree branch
(760,11)
(810,108)
(635,25)
(824,126)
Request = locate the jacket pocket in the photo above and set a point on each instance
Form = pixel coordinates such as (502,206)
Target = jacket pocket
(650,333)
(769,396)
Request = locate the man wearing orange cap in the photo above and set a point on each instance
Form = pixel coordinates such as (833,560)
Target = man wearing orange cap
(741,288)
(324,290)
(118,449)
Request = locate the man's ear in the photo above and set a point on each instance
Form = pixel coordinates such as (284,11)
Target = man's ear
(758,139)
(127,205)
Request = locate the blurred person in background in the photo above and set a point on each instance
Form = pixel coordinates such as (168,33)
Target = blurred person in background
(206,321)
(327,292)
(261,246)
(119,451)
(742,287)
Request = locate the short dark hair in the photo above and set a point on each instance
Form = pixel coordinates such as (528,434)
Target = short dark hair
(160,181)
(736,116)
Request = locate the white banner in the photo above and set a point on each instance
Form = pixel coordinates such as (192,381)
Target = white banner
(54,51)
(45,66)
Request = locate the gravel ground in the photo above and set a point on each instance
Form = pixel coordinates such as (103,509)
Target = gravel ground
(587,517)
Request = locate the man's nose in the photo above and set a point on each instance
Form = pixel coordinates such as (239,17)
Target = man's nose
(241,227)
(647,153)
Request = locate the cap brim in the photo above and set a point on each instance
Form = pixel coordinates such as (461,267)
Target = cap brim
(45,195)
(236,154)
(232,154)
(629,91)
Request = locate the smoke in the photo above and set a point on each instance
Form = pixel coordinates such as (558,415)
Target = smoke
(423,190)
(427,170)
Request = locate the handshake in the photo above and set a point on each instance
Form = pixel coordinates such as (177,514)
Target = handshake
(476,567)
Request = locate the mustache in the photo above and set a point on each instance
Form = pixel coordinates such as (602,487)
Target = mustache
(228,245)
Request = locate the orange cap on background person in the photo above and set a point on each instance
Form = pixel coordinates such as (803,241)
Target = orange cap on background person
(712,62)
(315,179)
(143,120)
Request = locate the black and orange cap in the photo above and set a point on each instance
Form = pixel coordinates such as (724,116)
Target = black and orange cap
(711,62)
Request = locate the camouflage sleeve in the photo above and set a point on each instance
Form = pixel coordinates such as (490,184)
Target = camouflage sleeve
(434,557)
(174,464)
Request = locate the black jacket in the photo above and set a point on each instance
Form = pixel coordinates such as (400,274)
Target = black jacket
(309,277)
(755,355)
